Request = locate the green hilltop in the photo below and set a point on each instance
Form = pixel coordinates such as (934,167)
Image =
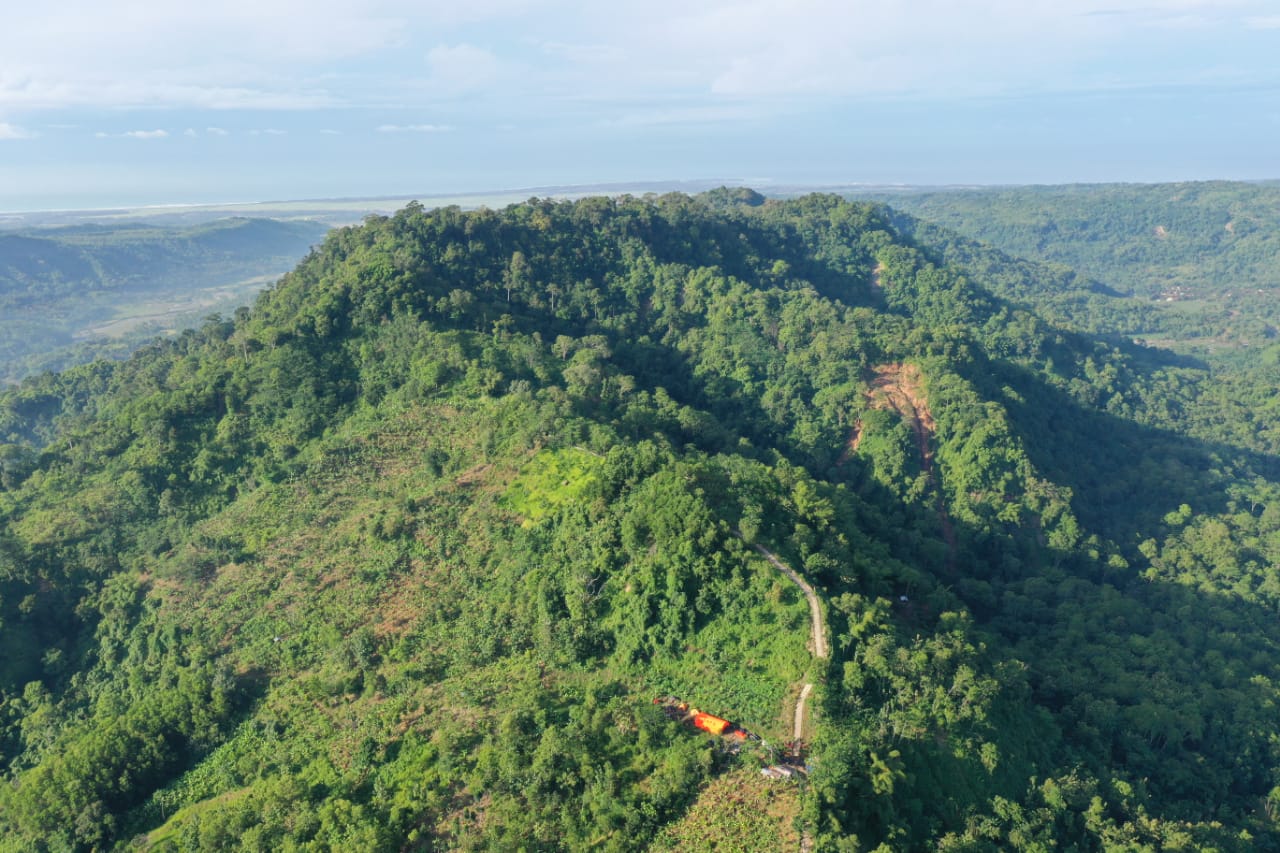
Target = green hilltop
(400,557)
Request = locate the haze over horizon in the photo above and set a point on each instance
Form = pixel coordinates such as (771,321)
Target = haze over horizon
(280,99)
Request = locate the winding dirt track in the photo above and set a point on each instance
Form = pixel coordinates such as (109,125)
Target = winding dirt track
(815,611)
(820,649)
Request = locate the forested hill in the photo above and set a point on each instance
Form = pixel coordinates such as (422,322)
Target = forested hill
(107,288)
(1203,253)
(400,557)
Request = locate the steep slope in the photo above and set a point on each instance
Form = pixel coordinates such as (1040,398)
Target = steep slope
(399,558)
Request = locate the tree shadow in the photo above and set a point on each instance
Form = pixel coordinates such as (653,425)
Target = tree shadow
(1128,681)
(1124,476)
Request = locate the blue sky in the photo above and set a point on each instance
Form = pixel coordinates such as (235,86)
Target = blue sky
(132,102)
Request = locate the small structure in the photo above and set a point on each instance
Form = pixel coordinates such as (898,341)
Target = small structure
(680,711)
(710,723)
(780,771)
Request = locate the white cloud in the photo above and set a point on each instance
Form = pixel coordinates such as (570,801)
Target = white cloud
(145,33)
(772,47)
(327,131)
(688,115)
(132,134)
(12,131)
(60,89)
(190,131)
(462,67)
(768,48)
(233,54)
(217,131)
(319,54)
(584,53)
(414,128)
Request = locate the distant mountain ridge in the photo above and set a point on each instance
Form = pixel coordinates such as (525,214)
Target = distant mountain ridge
(1203,251)
(39,264)
(62,288)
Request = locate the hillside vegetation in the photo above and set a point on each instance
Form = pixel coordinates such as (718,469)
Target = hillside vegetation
(72,293)
(400,557)
(1197,258)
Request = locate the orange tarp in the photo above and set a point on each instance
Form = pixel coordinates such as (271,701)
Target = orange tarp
(708,723)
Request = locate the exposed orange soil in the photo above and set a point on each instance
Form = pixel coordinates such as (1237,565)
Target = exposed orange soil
(899,388)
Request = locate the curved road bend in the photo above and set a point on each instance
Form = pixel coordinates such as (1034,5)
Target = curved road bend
(815,620)
(815,612)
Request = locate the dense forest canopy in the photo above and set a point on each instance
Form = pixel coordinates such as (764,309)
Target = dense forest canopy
(1197,258)
(399,557)
(72,293)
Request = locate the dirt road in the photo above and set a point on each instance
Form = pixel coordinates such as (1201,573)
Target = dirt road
(799,725)
(819,645)
(820,651)
(815,611)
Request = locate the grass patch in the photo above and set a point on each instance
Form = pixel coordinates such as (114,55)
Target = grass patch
(552,479)
(740,810)
(166,837)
